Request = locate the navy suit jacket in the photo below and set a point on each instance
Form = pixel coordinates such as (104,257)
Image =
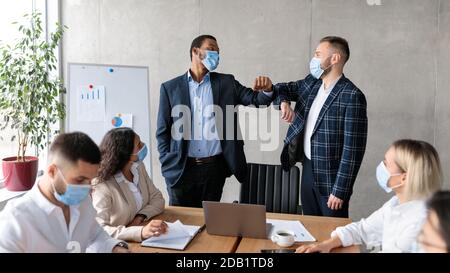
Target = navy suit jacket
(339,138)
(226,92)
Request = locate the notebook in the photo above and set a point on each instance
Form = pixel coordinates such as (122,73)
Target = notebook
(177,237)
(301,233)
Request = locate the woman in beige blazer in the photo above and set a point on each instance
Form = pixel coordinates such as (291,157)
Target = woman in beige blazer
(124,195)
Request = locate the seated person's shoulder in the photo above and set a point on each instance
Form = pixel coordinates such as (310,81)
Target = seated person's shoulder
(21,204)
(391,203)
(16,211)
(12,228)
(102,189)
(99,185)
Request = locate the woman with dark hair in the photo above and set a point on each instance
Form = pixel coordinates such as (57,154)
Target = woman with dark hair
(435,235)
(124,195)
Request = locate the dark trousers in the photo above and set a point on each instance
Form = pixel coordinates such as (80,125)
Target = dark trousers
(199,183)
(313,202)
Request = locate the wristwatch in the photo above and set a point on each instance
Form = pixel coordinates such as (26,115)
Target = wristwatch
(122,244)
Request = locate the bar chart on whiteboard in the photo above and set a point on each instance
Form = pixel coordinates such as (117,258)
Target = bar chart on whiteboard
(101,97)
(90,103)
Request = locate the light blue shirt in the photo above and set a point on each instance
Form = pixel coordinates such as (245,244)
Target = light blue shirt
(205,140)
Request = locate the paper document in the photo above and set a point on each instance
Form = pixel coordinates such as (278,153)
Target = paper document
(301,233)
(91,103)
(121,120)
(178,236)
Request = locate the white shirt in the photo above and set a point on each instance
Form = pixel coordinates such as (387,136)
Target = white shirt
(394,227)
(313,115)
(33,224)
(132,185)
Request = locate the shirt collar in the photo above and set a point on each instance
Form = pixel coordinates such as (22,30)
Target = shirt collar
(120,177)
(205,79)
(405,207)
(332,85)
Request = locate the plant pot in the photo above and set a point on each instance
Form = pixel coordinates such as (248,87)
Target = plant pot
(19,176)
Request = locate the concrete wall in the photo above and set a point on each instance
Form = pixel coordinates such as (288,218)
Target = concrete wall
(399,58)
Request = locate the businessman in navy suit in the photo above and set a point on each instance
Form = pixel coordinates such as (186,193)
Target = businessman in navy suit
(328,129)
(197,156)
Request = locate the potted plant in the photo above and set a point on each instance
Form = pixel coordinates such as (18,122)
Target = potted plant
(29,98)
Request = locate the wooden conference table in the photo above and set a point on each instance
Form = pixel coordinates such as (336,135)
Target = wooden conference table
(319,227)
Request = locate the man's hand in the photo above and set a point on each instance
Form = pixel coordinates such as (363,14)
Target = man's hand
(334,203)
(154,229)
(287,114)
(262,84)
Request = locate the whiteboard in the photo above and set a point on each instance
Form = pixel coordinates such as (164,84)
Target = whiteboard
(122,89)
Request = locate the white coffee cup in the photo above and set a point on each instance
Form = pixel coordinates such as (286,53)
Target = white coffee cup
(283,238)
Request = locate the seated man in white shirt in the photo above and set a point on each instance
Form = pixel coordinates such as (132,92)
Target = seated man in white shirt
(57,215)
(412,170)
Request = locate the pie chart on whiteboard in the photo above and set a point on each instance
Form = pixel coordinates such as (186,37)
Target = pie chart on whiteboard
(116,122)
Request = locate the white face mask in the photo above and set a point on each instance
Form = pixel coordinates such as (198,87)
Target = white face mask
(383,177)
(315,67)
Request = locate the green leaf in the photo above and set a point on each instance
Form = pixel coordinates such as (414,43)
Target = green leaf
(29,97)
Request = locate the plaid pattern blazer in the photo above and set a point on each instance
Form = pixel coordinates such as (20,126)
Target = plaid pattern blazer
(339,138)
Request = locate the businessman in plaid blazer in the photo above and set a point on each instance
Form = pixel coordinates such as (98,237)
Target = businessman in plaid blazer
(328,129)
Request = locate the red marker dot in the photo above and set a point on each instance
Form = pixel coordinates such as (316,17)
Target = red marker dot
(91,86)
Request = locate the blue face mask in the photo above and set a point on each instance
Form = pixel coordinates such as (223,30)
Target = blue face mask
(74,195)
(142,153)
(383,177)
(315,69)
(211,60)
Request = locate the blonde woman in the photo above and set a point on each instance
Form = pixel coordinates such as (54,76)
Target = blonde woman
(411,169)
(124,195)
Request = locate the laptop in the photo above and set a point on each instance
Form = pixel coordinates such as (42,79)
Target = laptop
(233,219)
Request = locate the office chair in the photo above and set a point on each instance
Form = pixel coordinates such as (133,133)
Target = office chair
(269,185)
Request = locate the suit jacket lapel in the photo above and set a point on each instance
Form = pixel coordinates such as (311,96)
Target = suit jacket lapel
(312,96)
(143,187)
(185,99)
(183,86)
(128,196)
(334,93)
(215,87)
